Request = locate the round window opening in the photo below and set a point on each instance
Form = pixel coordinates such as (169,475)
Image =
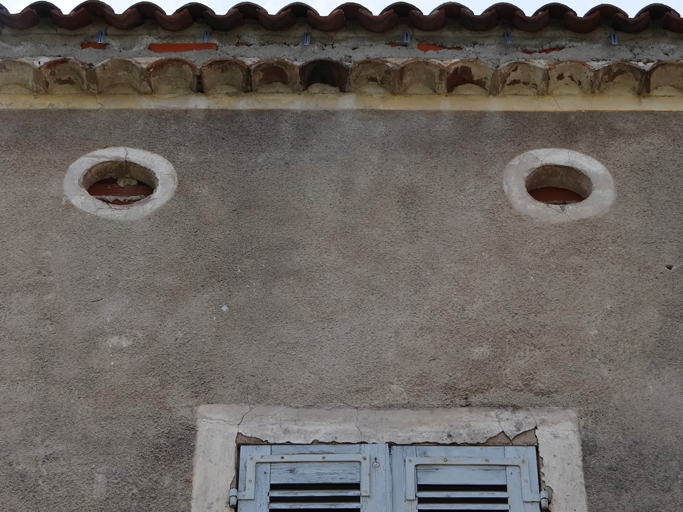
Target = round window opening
(558,184)
(120,183)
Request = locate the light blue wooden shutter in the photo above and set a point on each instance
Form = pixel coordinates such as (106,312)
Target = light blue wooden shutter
(314,478)
(465,478)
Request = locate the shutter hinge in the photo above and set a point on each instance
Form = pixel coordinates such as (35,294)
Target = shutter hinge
(233,498)
(545,500)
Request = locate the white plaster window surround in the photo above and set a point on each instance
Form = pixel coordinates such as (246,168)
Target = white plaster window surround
(164,174)
(521,167)
(221,427)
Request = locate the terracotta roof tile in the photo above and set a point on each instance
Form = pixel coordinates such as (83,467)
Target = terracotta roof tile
(335,21)
(25,19)
(174,22)
(582,24)
(534,23)
(631,25)
(387,20)
(128,19)
(673,22)
(381,23)
(280,21)
(428,22)
(482,22)
(77,19)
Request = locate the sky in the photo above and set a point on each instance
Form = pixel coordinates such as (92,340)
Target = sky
(324,7)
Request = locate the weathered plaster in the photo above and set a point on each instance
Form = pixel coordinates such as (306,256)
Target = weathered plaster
(332,258)
(220,427)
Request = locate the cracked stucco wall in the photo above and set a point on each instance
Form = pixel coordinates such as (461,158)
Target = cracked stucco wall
(331,259)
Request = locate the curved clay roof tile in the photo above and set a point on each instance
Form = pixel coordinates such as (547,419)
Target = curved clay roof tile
(452,9)
(25,19)
(556,10)
(249,10)
(227,21)
(174,22)
(582,24)
(606,10)
(657,11)
(147,10)
(435,21)
(299,9)
(335,21)
(504,10)
(196,10)
(485,21)
(44,9)
(387,20)
(279,21)
(402,9)
(534,23)
(77,19)
(673,22)
(94,7)
(631,25)
(351,10)
(382,23)
(124,21)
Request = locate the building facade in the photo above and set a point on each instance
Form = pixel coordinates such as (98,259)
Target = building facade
(430,236)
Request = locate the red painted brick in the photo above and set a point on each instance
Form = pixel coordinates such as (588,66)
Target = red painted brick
(96,46)
(426,47)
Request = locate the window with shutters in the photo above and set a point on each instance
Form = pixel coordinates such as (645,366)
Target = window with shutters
(314,478)
(382,478)
(481,478)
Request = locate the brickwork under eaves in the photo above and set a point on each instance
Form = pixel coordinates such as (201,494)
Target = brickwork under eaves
(374,76)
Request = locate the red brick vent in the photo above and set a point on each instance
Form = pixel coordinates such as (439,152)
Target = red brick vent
(121,191)
(558,184)
(119,183)
(555,195)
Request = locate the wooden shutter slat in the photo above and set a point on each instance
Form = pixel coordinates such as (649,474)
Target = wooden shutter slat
(315,473)
(462,494)
(314,506)
(463,475)
(461,506)
(287,494)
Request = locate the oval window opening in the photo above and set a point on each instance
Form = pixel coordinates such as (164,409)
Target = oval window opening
(558,184)
(120,182)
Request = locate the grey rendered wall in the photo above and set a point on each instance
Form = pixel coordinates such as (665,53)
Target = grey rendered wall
(366,259)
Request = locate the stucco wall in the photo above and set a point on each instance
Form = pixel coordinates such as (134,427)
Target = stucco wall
(366,259)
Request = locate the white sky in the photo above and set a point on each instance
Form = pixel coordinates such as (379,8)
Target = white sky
(326,6)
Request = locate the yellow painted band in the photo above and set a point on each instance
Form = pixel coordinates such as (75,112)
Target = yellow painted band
(304,101)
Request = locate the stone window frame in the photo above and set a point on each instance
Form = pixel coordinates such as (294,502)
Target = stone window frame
(163,170)
(522,166)
(221,429)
